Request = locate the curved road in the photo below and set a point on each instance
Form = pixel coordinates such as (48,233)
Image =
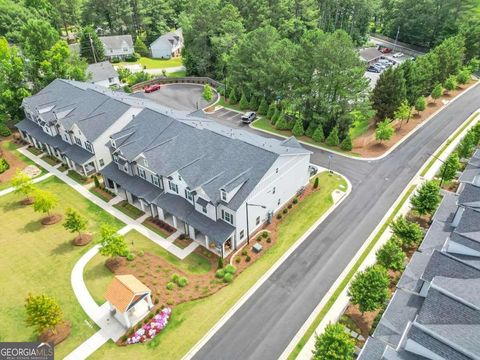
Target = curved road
(265,324)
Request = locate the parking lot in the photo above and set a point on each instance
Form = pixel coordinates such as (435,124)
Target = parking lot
(228,117)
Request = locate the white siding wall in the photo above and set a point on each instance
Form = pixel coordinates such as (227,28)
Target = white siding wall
(106,83)
(161,49)
(292,175)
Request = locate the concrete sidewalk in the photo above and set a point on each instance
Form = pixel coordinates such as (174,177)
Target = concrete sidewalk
(34,180)
(167,244)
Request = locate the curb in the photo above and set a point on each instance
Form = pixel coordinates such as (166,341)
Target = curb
(191,353)
(416,180)
(389,151)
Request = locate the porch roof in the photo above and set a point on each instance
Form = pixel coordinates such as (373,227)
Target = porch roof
(73,152)
(218,231)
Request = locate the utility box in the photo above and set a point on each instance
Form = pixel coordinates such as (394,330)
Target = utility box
(257,248)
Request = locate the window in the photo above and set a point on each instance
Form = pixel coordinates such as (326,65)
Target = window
(173,187)
(188,195)
(242,234)
(276,170)
(141,172)
(78,141)
(257,221)
(66,137)
(101,162)
(113,144)
(89,146)
(278,203)
(155,180)
(224,195)
(227,217)
(204,209)
(115,158)
(179,178)
(273,190)
(125,167)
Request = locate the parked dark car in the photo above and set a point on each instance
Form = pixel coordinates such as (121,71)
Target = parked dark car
(248,117)
(373,69)
(152,88)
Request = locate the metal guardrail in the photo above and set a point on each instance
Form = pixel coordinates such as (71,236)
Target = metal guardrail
(177,80)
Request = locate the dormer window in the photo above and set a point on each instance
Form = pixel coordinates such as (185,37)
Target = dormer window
(141,173)
(89,146)
(173,187)
(188,195)
(145,162)
(125,167)
(223,194)
(113,144)
(78,141)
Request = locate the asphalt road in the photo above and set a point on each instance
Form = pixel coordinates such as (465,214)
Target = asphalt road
(264,326)
(183,97)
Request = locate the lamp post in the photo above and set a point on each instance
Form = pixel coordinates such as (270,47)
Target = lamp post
(330,172)
(246,209)
(444,168)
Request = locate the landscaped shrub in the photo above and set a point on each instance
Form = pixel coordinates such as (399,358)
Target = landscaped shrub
(285,211)
(170,286)
(169,302)
(232,99)
(4,130)
(182,282)
(275,116)
(238,259)
(244,252)
(230,269)
(141,253)
(263,108)
(96,181)
(298,129)
(315,183)
(4,166)
(253,103)
(269,240)
(156,303)
(279,216)
(271,110)
(207,92)
(289,206)
(264,234)
(220,263)
(130,257)
(243,102)
(318,135)
(228,278)
(220,273)
(332,139)
(295,200)
(248,258)
(175,278)
(259,238)
(346,144)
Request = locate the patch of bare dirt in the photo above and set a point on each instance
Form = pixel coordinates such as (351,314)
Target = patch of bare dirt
(13,160)
(52,219)
(62,331)
(82,239)
(27,201)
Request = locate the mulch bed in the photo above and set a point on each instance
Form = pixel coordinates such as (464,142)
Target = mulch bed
(14,161)
(62,331)
(107,195)
(182,242)
(82,239)
(27,201)
(52,219)
(162,225)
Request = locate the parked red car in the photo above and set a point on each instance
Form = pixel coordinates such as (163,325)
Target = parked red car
(386,50)
(152,88)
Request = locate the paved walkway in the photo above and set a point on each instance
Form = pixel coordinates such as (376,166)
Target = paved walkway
(35,180)
(167,244)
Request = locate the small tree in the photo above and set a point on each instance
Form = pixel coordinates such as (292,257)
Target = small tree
(332,139)
(464,76)
(369,288)
(384,131)
(253,104)
(403,112)
(271,110)
(467,145)
(451,83)
(243,102)
(407,232)
(43,313)
(96,181)
(437,92)
(23,185)
(45,202)
(207,92)
(346,144)
(298,129)
(281,123)
(232,99)
(263,108)
(391,256)
(275,116)
(112,244)
(427,198)
(334,344)
(75,222)
(450,167)
(141,48)
(310,129)
(315,183)
(318,135)
(420,104)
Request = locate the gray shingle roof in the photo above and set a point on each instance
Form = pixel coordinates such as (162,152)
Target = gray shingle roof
(372,350)
(471,171)
(206,155)
(402,309)
(410,279)
(370,54)
(173,37)
(465,241)
(436,236)
(449,319)
(115,41)
(91,108)
(466,289)
(442,264)
(469,195)
(101,71)
(469,225)
(446,209)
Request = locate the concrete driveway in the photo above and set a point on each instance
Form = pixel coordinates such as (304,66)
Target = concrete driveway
(183,97)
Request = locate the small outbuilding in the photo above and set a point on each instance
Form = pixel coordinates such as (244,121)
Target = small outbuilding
(129,299)
(168,45)
(103,74)
(370,55)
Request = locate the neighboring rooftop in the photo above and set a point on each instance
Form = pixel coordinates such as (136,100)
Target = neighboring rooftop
(116,41)
(370,54)
(101,71)
(124,290)
(173,37)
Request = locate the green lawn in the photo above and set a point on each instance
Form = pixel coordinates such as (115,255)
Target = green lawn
(181,73)
(10,146)
(39,259)
(359,127)
(155,63)
(128,209)
(191,320)
(97,276)
(264,124)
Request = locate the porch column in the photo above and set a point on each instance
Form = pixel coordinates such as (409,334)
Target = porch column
(174,221)
(127,320)
(161,215)
(142,206)
(206,241)
(129,197)
(191,231)
(84,170)
(105,181)
(153,210)
(149,301)
(49,151)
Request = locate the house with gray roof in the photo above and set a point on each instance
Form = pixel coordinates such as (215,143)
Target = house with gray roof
(167,45)
(117,46)
(103,74)
(199,176)
(435,311)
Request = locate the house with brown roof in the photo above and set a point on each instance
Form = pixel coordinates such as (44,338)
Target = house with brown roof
(129,299)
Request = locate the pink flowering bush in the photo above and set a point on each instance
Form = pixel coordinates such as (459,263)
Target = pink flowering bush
(152,328)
